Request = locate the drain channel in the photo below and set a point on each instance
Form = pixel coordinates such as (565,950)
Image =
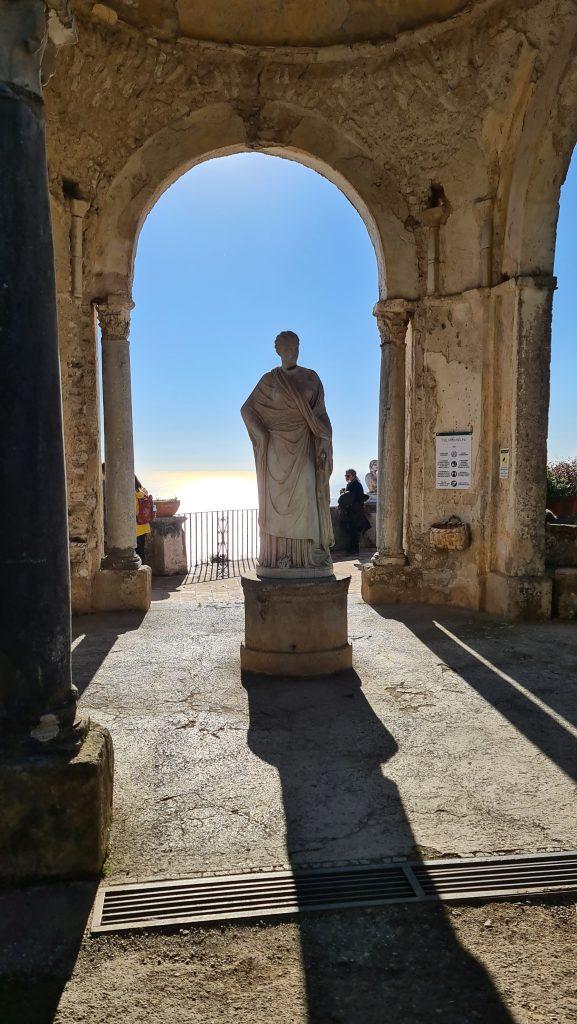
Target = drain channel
(264,894)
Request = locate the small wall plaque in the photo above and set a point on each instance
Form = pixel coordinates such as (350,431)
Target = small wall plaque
(453,460)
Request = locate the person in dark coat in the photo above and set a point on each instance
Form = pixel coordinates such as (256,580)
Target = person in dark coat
(352,511)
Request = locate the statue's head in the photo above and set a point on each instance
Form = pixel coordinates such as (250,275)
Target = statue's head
(287,346)
(373,465)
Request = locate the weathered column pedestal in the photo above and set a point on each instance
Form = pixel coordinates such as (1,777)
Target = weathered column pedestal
(388,570)
(123,582)
(55,767)
(168,546)
(295,627)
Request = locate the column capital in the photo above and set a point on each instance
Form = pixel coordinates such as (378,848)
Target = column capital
(31,33)
(114,317)
(393,317)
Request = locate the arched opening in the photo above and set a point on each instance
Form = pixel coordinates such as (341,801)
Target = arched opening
(236,250)
(562,434)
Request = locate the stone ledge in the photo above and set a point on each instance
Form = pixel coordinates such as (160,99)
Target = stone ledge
(115,590)
(561,545)
(525,598)
(391,584)
(56,811)
(565,593)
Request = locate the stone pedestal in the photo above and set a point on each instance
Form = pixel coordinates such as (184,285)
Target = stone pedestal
(295,627)
(116,590)
(168,546)
(56,811)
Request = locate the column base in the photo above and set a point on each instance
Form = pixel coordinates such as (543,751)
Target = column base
(394,558)
(115,590)
(121,558)
(56,811)
(296,627)
(391,584)
(518,597)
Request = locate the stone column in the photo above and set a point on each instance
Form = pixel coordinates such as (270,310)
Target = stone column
(518,585)
(55,769)
(392,318)
(36,695)
(119,522)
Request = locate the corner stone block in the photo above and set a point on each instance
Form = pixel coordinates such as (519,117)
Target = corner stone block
(391,584)
(518,598)
(565,593)
(115,590)
(56,811)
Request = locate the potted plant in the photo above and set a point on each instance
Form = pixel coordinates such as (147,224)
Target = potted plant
(562,487)
(166,506)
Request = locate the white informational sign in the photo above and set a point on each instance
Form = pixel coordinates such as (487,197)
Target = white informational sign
(453,461)
(504,462)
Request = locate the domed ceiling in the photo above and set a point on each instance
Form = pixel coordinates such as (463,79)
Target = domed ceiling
(285,22)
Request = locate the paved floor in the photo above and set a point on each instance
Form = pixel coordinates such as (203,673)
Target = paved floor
(455,734)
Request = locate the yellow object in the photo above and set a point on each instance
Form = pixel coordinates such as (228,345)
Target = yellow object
(145,528)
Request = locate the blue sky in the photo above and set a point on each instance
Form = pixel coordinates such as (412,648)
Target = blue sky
(237,250)
(562,440)
(245,246)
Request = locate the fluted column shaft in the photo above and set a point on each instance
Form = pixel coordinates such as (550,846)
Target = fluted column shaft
(119,518)
(392,319)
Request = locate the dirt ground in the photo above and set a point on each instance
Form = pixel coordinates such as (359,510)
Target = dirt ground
(455,735)
(466,964)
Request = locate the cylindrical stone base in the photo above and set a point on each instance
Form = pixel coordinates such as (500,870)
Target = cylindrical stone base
(295,628)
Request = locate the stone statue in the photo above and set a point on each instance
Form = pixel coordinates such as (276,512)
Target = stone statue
(371,477)
(292,439)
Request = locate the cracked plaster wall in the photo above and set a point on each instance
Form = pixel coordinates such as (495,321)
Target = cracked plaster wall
(482,106)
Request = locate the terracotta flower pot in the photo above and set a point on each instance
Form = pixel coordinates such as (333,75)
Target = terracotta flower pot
(450,535)
(167,506)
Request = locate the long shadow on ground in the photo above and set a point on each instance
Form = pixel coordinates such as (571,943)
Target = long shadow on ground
(329,748)
(41,929)
(538,697)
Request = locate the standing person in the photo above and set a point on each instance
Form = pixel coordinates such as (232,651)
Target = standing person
(144,512)
(352,511)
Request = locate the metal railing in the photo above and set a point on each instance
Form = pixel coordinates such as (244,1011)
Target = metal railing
(221,544)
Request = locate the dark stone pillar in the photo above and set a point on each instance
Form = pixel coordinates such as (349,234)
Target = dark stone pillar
(55,770)
(36,695)
(37,699)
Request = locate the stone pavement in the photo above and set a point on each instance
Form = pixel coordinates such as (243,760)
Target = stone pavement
(456,734)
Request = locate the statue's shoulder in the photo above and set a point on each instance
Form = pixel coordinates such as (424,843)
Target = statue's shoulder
(267,379)
(311,374)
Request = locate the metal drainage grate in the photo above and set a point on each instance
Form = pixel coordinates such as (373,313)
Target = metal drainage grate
(263,894)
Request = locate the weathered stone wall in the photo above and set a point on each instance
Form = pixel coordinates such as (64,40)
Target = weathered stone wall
(463,128)
(80,391)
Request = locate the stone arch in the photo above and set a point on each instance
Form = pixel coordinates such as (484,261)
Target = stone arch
(543,135)
(277,129)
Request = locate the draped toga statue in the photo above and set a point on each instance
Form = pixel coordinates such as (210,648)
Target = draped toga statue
(292,439)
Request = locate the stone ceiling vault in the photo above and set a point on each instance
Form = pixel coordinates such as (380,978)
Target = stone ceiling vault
(284,22)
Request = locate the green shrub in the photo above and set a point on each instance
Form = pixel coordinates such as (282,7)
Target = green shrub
(562,479)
